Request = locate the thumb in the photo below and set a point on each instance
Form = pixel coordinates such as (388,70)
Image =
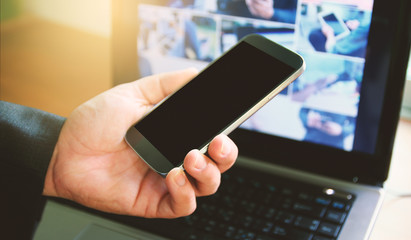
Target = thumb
(156,87)
(140,95)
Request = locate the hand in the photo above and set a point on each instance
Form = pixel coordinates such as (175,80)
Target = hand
(329,34)
(93,165)
(352,24)
(332,128)
(314,120)
(328,31)
(261,8)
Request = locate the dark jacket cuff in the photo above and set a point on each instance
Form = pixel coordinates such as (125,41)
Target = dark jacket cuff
(27,140)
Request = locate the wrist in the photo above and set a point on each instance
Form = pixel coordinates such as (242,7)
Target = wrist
(49,188)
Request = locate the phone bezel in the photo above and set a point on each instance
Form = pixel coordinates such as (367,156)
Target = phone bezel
(153,156)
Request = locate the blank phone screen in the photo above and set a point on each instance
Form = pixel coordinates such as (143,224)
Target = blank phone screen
(212,101)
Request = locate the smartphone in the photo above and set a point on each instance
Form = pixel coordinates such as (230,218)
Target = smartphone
(331,19)
(216,101)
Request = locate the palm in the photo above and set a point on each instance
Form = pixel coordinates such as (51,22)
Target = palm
(108,170)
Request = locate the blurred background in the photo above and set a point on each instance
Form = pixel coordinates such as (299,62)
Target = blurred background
(54,54)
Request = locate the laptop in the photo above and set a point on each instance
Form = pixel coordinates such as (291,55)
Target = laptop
(313,161)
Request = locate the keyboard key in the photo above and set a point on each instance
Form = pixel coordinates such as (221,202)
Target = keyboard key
(285,217)
(286,203)
(267,227)
(271,188)
(229,201)
(322,201)
(329,229)
(269,213)
(341,205)
(221,228)
(262,226)
(245,221)
(287,191)
(239,180)
(210,226)
(307,223)
(305,196)
(292,234)
(335,216)
(225,215)
(321,238)
(231,232)
(190,220)
(338,205)
(314,211)
(244,235)
(260,211)
(207,209)
(263,237)
(256,184)
(348,206)
(267,198)
(280,231)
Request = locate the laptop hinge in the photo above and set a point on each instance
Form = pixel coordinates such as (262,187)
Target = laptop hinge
(281,170)
(367,181)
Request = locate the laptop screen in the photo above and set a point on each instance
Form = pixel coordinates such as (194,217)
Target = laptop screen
(323,106)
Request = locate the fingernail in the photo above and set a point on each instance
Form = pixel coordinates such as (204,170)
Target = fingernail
(180,178)
(225,148)
(200,163)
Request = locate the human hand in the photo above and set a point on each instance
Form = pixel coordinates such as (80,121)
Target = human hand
(352,24)
(328,32)
(332,128)
(314,120)
(93,165)
(261,8)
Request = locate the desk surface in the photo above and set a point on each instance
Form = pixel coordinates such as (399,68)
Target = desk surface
(37,70)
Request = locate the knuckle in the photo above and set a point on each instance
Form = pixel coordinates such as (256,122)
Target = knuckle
(211,186)
(188,209)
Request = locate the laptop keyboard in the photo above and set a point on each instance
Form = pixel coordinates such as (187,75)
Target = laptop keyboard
(250,205)
(258,209)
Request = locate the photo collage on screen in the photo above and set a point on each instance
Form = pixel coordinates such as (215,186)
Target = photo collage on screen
(322,105)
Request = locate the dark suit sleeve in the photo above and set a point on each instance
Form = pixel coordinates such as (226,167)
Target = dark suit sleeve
(27,140)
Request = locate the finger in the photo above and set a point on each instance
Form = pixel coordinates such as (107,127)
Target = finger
(157,87)
(182,201)
(223,151)
(206,176)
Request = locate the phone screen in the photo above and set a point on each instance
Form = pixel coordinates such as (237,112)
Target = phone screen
(214,99)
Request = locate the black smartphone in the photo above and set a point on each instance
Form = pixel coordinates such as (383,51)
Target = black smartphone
(216,101)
